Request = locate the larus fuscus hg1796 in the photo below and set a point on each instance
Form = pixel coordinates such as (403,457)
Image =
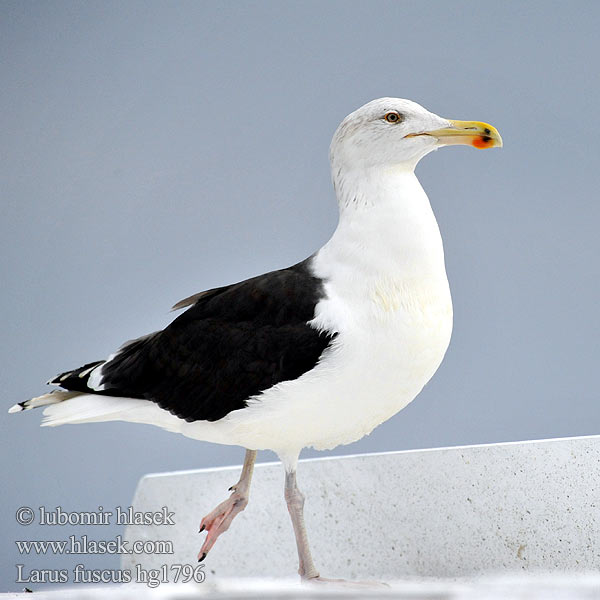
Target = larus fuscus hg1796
(317,354)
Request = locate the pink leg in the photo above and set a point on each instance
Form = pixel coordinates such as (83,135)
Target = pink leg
(295,503)
(306,568)
(218,521)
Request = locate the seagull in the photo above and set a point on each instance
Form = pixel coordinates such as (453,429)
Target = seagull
(314,355)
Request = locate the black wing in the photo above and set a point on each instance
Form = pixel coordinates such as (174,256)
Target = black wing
(233,342)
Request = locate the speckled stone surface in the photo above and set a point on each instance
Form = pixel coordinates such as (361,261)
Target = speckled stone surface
(448,512)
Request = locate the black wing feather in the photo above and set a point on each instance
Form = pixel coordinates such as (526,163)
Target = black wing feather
(233,343)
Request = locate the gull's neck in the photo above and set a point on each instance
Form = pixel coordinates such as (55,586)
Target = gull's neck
(386,224)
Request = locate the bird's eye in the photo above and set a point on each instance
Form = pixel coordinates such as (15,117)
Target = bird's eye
(393,117)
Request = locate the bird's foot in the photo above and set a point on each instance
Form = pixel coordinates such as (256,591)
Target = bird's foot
(344,583)
(218,521)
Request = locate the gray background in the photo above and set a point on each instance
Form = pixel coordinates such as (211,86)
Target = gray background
(152,150)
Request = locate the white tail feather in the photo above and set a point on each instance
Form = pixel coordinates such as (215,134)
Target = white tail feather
(94,408)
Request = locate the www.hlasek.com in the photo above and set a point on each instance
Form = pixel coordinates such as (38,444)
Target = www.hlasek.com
(79,545)
(83,545)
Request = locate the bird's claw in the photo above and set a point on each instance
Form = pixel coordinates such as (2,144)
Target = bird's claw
(219,520)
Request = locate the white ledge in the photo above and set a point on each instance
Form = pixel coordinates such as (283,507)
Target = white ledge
(538,587)
(442,513)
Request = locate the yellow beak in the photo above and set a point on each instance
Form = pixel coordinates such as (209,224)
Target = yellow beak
(471,133)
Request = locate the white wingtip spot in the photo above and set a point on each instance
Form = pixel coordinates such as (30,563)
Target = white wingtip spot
(95,378)
(16,408)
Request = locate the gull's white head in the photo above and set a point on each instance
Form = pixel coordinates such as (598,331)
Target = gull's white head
(396,132)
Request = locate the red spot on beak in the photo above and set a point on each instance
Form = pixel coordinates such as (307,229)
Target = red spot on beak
(482,142)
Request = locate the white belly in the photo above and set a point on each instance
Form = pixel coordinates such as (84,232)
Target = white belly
(371,372)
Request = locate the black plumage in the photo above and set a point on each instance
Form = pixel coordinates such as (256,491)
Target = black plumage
(232,343)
